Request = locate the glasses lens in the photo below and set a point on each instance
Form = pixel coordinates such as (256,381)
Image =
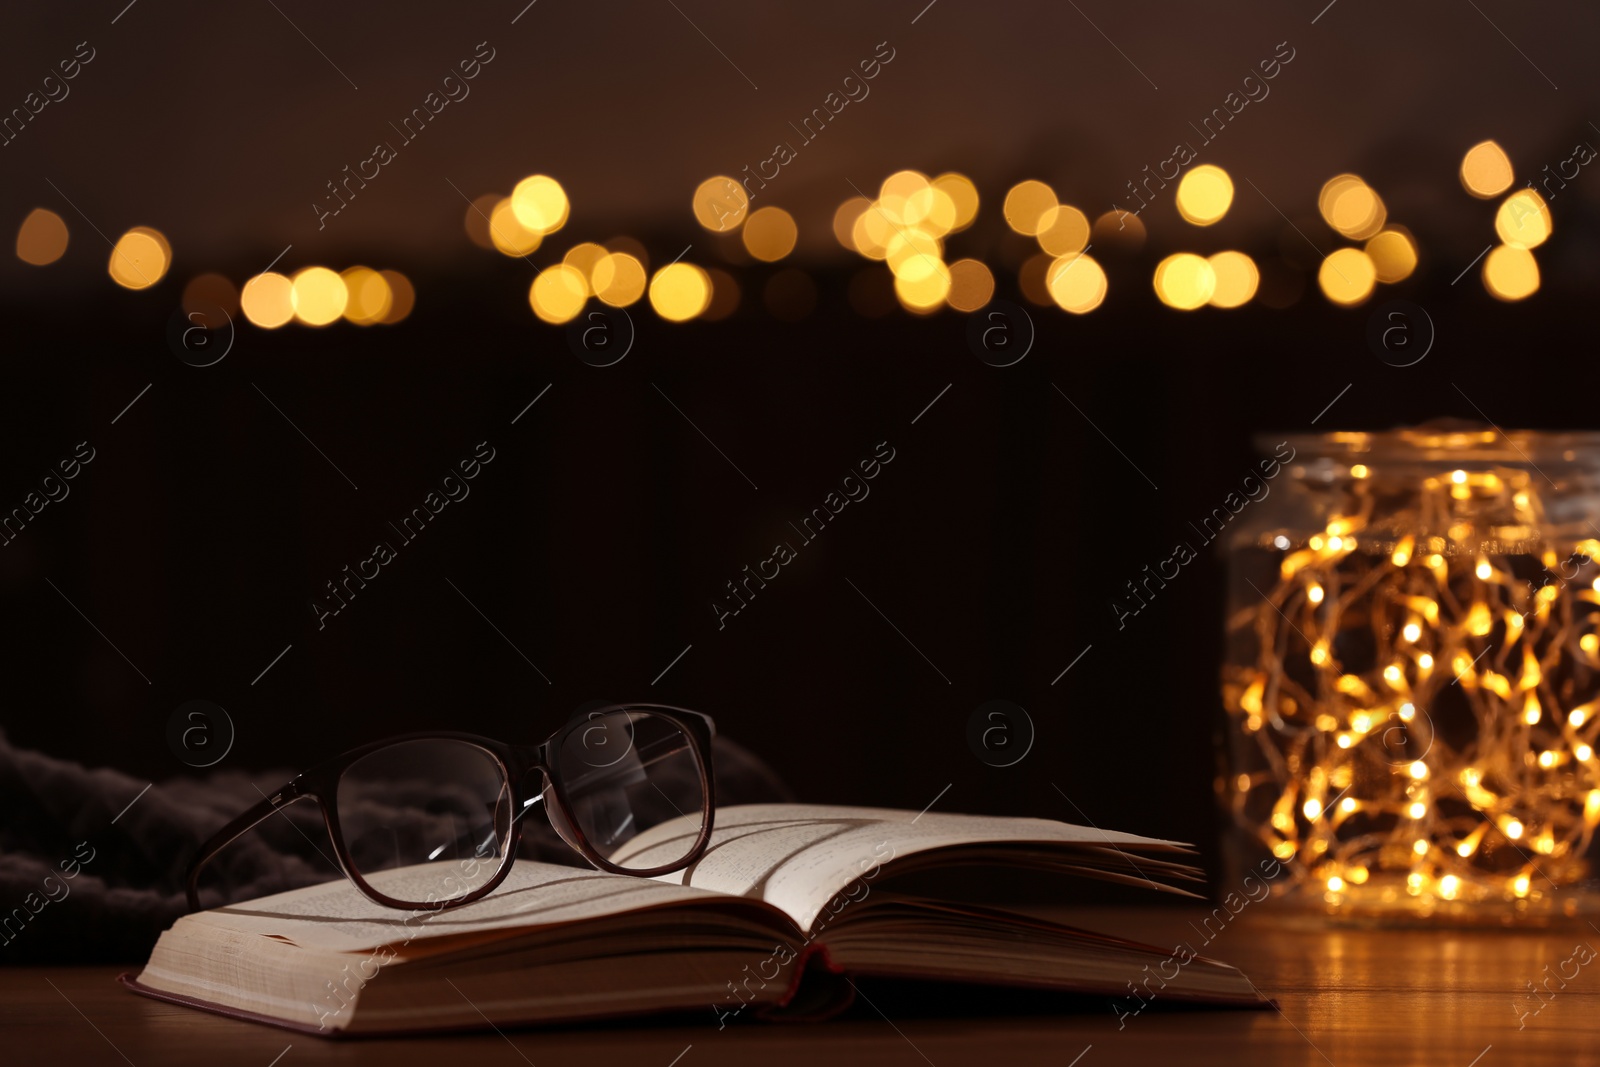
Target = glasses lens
(626,775)
(425,821)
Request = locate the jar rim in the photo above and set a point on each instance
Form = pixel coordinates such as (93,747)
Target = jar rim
(1452,441)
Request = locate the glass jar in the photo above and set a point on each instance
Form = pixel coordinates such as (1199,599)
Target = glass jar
(1412,674)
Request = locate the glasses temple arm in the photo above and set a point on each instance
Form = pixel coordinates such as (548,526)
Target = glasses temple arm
(232,832)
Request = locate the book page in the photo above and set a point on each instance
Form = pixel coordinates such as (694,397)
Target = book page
(336,916)
(801,857)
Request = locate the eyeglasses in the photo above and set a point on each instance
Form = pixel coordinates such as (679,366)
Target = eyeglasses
(431,821)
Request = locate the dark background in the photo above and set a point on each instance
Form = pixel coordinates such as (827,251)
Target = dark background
(598,537)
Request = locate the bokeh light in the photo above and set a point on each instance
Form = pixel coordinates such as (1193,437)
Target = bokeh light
(906,196)
(507,233)
(630,246)
(1205,194)
(618,279)
(680,291)
(844,220)
(402,297)
(318,296)
(1076,283)
(1523,220)
(1510,273)
(266,300)
(720,204)
(140,258)
(540,204)
(923,290)
(1026,206)
(209,299)
(1063,230)
(724,295)
(1032,279)
(1351,206)
(477,219)
(42,237)
(583,258)
(558,293)
(963,197)
(1486,170)
(913,254)
(1347,276)
(368,297)
(1119,229)
(1185,281)
(971,285)
(1237,279)
(871,232)
(769,234)
(1393,254)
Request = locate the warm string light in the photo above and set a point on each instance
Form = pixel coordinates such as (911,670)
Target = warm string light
(906,226)
(1418,709)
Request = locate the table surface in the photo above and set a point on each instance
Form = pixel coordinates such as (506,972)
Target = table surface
(1454,998)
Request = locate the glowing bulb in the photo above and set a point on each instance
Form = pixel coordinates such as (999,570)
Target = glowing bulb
(1185,281)
(1204,194)
(680,291)
(140,258)
(1425,661)
(1408,711)
(1510,273)
(369,296)
(1312,809)
(1314,593)
(1064,231)
(1417,811)
(1393,255)
(1351,206)
(1419,770)
(318,296)
(1411,631)
(618,279)
(1449,885)
(540,204)
(720,204)
(1347,805)
(1347,276)
(1484,571)
(266,300)
(1519,885)
(1335,884)
(1513,829)
(1582,751)
(1523,220)
(769,234)
(1359,471)
(558,293)
(1076,283)
(1026,206)
(963,194)
(1486,170)
(507,233)
(1420,847)
(1577,716)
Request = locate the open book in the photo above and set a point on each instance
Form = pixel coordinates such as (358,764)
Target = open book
(785,908)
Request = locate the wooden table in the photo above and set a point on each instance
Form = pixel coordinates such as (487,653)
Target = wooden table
(1347,998)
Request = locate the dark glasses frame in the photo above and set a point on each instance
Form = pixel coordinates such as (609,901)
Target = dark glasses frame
(517,762)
